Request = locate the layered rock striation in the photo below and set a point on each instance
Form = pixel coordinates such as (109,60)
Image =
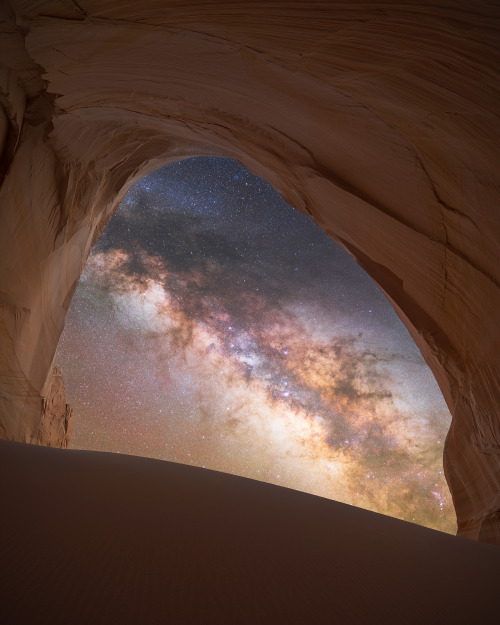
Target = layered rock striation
(378,119)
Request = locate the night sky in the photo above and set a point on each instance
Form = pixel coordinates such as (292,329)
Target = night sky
(215,325)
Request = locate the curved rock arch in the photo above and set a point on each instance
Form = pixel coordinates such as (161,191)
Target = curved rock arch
(379,120)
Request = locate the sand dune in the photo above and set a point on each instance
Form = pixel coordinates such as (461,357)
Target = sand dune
(88,537)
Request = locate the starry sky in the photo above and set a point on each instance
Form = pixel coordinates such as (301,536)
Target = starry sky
(217,326)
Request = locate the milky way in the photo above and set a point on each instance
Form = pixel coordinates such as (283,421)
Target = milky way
(215,325)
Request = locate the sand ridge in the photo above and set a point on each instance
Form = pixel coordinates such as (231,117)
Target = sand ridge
(91,537)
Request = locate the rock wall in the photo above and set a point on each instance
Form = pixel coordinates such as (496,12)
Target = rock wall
(378,119)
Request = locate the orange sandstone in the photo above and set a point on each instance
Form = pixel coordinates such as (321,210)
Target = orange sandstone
(378,119)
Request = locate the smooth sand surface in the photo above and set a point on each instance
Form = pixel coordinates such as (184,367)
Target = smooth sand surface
(88,537)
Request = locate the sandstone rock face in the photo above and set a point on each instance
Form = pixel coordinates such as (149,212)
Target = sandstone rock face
(378,119)
(56,423)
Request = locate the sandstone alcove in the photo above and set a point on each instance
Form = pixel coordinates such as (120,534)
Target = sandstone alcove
(216,326)
(381,121)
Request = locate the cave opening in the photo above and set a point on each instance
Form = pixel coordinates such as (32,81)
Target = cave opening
(215,325)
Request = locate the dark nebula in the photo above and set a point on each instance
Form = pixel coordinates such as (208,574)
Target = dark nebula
(215,325)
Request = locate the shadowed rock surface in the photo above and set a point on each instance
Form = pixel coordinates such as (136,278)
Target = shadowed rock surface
(378,119)
(91,537)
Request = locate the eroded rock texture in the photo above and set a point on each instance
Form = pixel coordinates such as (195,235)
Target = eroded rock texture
(378,119)
(57,416)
